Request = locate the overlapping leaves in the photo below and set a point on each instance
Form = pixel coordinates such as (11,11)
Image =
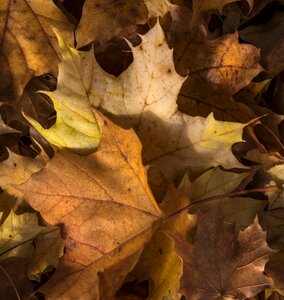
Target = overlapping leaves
(92,195)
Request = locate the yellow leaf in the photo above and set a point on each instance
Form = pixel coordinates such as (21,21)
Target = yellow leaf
(144,97)
(27,44)
(18,169)
(105,208)
(49,247)
(157,8)
(76,125)
(17,229)
(159,262)
(276,198)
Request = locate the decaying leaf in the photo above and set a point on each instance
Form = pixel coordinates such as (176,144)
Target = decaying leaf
(220,265)
(222,68)
(159,262)
(27,44)
(105,207)
(76,126)
(103,19)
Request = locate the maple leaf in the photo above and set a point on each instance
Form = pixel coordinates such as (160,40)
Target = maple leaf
(220,265)
(159,262)
(239,211)
(103,19)
(224,66)
(76,126)
(106,221)
(27,44)
(148,103)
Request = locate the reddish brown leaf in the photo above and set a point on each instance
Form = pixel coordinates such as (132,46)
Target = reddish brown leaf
(221,264)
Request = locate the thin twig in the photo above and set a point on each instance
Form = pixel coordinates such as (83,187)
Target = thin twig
(233,194)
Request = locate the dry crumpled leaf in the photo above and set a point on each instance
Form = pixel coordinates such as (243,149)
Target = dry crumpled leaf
(239,211)
(217,69)
(105,208)
(76,126)
(219,264)
(17,229)
(159,262)
(27,44)
(103,19)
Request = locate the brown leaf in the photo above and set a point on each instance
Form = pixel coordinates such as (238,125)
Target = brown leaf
(220,264)
(14,284)
(27,44)
(275,269)
(272,221)
(269,37)
(103,19)
(217,69)
(200,6)
(105,209)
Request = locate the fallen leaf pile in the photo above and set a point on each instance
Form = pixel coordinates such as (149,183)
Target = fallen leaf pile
(142,149)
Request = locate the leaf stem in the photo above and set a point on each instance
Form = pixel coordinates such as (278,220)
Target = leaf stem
(271,188)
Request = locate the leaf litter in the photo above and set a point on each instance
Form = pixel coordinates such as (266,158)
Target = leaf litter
(169,145)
